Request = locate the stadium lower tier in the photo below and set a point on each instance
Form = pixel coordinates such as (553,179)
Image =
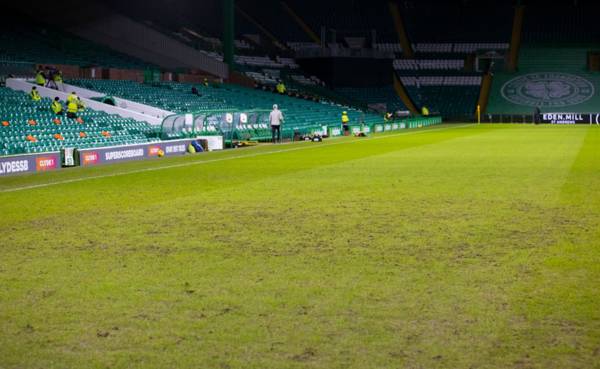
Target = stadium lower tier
(29,126)
(178,97)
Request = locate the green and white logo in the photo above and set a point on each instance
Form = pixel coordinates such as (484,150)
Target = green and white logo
(548,90)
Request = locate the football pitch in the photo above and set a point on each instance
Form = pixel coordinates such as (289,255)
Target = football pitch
(453,246)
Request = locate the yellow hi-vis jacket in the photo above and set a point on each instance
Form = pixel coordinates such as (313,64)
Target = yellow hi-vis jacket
(35,96)
(72,107)
(72,97)
(56,107)
(40,79)
(424,111)
(345,119)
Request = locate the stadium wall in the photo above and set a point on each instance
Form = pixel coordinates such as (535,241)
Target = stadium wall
(50,161)
(31,163)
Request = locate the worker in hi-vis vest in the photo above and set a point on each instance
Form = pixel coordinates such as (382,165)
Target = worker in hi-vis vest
(40,78)
(281,88)
(72,109)
(58,80)
(56,106)
(34,94)
(345,121)
(424,111)
(72,97)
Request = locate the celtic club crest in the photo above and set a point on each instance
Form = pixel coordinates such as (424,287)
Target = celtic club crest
(548,90)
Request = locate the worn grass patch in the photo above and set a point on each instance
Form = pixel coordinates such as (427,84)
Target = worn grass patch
(453,247)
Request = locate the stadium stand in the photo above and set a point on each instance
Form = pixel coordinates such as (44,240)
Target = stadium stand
(176,97)
(25,117)
(552,71)
(553,77)
(455,50)
(40,43)
(441,76)
(264,61)
(178,101)
(433,64)
(302,45)
(265,70)
(203,40)
(442,85)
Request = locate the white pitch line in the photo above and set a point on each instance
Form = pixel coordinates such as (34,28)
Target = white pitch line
(66,181)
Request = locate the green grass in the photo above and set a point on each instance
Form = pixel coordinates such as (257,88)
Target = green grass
(447,247)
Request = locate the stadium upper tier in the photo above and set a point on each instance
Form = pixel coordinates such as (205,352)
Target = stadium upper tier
(30,127)
(177,97)
(20,42)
